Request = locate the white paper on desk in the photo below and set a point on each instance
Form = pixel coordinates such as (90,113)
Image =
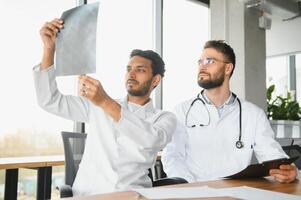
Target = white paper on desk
(76,42)
(245,192)
(180,193)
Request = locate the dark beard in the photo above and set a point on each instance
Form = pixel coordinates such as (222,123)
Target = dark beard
(142,91)
(209,84)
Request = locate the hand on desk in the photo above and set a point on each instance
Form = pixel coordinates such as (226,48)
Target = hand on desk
(285,173)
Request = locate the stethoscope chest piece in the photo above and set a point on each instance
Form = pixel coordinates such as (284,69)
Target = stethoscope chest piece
(239,144)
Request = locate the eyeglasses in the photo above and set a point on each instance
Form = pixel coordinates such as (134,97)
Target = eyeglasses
(208,61)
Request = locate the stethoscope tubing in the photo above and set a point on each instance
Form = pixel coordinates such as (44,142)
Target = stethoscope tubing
(239,144)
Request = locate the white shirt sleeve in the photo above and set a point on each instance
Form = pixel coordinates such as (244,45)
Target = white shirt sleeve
(50,98)
(174,155)
(266,147)
(152,135)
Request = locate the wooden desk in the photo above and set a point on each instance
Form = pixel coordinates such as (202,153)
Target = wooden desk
(43,164)
(267,184)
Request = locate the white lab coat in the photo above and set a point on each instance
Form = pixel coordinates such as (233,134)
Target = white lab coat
(117,155)
(209,152)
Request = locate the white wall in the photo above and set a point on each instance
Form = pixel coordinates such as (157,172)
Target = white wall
(283,37)
(231,21)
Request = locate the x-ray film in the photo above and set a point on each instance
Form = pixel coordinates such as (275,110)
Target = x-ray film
(76,42)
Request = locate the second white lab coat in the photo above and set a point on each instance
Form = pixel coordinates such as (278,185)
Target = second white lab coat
(117,155)
(209,152)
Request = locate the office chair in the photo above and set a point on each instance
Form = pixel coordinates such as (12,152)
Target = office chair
(291,146)
(292,151)
(74,145)
(285,141)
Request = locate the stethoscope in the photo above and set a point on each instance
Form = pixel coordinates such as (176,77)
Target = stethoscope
(239,144)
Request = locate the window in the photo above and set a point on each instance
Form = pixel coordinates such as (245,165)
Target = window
(26,129)
(277,74)
(285,73)
(298,77)
(124,26)
(185,30)
(21,118)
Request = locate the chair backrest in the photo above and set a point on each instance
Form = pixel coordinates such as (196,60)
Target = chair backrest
(292,148)
(284,141)
(288,141)
(74,145)
(292,151)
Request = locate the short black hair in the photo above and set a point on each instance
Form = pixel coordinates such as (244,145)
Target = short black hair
(222,47)
(158,65)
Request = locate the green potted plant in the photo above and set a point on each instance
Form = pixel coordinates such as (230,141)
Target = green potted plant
(284,113)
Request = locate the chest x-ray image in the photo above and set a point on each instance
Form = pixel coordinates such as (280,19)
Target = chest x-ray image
(76,42)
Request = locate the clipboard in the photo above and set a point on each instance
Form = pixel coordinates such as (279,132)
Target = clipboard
(261,169)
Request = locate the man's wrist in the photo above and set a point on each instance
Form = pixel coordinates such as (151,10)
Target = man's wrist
(105,102)
(111,107)
(48,58)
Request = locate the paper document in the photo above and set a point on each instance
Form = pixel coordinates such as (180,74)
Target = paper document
(242,192)
(178,193)
(262,169)
(76,42)
(245,192)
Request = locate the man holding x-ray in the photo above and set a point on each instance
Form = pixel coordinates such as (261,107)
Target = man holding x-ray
(125,135)
(217,131)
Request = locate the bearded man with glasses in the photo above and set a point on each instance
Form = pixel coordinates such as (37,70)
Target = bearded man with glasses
(217,133)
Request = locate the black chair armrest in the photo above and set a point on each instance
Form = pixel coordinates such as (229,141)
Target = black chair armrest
(168,181)
(65,191)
